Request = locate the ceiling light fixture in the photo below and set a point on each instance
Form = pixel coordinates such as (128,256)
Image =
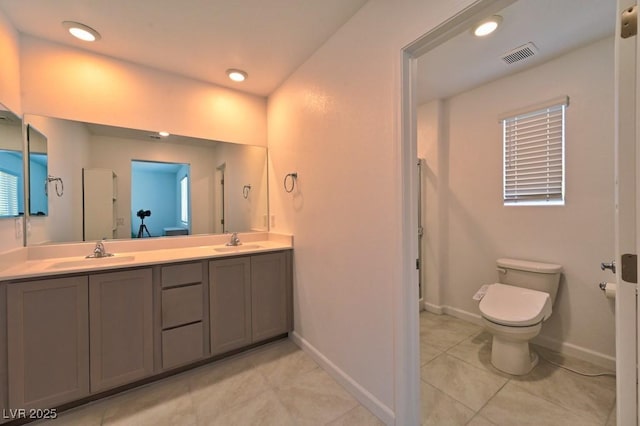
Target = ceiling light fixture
(486,26)
(237,75)
(81,31)
(164,134)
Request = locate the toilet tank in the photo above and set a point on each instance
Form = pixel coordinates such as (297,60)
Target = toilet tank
(528,274)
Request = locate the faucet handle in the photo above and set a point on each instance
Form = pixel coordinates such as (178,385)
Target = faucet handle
(234,240)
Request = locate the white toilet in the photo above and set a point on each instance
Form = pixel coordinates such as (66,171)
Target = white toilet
(514,308)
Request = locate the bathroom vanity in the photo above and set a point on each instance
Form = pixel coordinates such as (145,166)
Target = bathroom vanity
(77,329)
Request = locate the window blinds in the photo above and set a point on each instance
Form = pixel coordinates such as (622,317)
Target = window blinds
(534,156)
(8,194)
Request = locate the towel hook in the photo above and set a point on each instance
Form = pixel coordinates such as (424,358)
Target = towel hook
(59,190)
(294,177)
(245,191)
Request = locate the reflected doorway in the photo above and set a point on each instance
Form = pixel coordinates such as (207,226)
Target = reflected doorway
(219,224)
(160,199)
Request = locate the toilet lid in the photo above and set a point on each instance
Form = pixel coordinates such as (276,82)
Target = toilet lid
(515,306)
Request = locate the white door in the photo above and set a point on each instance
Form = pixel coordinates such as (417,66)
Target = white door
(627,147)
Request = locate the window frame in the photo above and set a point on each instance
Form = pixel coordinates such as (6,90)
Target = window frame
(184,199)
(546,184)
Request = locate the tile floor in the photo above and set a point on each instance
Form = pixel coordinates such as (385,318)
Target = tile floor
(278,384)
(461,387)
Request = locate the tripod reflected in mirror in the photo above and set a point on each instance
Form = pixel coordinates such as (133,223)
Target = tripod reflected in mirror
(143,228)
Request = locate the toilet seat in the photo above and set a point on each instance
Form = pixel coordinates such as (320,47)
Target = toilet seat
(515,306)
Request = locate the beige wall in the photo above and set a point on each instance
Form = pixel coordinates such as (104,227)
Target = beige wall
(245,166)
(65,82)
(478,229)
(9,97)
(9,66)
(117,153)
(68,153)
(335,121)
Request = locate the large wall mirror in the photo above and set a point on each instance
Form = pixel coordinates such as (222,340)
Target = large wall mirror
(12,202)
(125,183)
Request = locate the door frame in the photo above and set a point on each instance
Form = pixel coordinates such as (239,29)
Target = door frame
(407,357)
(627,145)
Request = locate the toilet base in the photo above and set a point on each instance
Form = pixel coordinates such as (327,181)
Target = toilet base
(512,356)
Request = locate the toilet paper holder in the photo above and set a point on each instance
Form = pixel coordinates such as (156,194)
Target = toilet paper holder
(609,289)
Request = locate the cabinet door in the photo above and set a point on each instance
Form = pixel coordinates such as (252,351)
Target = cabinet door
(270,295)
(121,327)
(48,342)
(230,304)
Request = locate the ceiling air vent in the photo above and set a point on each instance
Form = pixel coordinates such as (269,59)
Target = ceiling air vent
(519,53)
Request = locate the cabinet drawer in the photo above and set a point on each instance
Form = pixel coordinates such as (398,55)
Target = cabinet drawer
(189,273)
(181,305)
(182,345)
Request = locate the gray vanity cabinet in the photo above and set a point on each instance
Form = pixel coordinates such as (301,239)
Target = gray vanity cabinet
(75,336)
(271,290)
(249,299)
(182,314)
(48,342)
(230,303)
(121,327)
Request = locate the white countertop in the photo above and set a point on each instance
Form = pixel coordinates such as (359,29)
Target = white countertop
(22,266)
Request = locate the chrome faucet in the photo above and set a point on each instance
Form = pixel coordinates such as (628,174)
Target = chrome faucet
(235,240)
(99,251)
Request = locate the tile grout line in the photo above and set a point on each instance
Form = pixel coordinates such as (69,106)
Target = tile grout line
(544,398)
(489,400)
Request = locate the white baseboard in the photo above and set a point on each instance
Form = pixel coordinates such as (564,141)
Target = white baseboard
(565,348)
(463,315)
(374,405)
(434,309)
(597,358)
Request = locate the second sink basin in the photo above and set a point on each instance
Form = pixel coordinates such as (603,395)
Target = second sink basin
(242,247)
(95,261)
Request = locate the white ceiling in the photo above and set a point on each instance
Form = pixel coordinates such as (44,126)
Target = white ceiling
(554,26)
(199,39)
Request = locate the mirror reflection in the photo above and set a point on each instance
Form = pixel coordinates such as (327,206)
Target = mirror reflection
(38,173)
(202,204)
(161,188)
(11,165)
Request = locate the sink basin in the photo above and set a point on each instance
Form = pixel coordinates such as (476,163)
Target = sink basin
(233,249)
(93,261)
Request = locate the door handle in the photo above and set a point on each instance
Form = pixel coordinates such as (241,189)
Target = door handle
(611,266)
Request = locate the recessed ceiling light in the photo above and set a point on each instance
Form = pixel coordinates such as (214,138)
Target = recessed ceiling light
(237,75)
(486,26)
(81,31)
(164,134)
